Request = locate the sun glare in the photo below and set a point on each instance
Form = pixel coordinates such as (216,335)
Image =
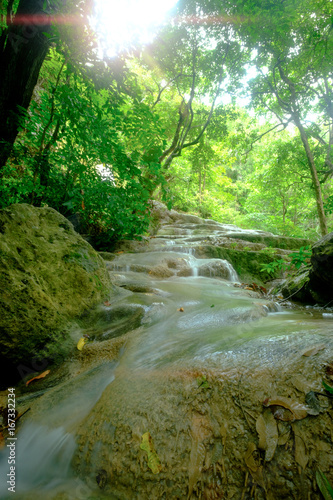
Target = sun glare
(121,24)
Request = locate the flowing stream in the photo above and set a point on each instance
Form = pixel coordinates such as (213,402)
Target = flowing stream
(196,344)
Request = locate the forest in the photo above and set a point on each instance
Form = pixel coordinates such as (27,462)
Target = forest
(166,267)
(226,114)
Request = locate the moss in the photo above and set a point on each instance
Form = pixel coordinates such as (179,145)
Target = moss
(48,275)
(246,263)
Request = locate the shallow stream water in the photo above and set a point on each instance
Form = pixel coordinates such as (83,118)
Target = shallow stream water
(197,339)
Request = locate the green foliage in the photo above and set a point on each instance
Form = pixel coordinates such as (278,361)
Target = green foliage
(301,257)
(297,260)
(327,387)
(203,382)
(71,132)
(273,267)
(268,251)
(147,119)
(324,485)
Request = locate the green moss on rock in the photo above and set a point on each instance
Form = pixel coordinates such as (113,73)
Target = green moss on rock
(48,275)
(247,264)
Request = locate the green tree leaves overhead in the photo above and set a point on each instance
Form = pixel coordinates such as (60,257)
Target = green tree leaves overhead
(158,118)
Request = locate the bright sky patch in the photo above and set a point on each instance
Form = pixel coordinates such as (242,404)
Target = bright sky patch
(122,24)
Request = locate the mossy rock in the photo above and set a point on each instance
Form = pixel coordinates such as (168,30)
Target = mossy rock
(48,275)
(271,240)
(247,264)
(296,287)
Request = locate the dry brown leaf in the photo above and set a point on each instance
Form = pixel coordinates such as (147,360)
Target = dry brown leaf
(42,375)
(253,462)
(301,455)
(284,433)
(268,434)
(2,440)
(286,409)
(313,350)
(107,303)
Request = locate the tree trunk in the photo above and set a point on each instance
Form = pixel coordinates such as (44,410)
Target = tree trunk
(315,180)
(200,183)
(25,47)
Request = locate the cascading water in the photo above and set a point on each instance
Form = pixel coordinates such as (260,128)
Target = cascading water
(200,357)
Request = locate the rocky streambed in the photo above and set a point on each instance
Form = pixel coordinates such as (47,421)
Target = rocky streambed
(186,385)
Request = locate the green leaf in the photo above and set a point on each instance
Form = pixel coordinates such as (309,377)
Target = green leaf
(327,387)
(324,485)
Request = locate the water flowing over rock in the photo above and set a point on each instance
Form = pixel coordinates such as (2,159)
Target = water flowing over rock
(167,407)
(48,275)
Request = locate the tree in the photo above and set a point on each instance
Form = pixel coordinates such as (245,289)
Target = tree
(24,43)
(291,51)
(26,36)
(194,62)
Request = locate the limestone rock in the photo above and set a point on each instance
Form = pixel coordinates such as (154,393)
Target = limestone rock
(296,287)
(48,275)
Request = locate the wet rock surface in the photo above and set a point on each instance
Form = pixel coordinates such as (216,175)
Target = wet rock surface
(245,250)
(175,406)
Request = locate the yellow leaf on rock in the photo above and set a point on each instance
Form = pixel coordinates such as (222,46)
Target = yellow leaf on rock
(153,461)
(81,343)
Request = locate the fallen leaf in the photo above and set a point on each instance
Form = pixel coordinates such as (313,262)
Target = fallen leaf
(2,440)
(203,383)
(107,303)
(324,485)
(42,375)
(313,350)
(253,462)
(286,409)
(268,434)
(153,461)
(181,309)
(313,402)
(81,343)
(301,456)
(284,433)
(327,387)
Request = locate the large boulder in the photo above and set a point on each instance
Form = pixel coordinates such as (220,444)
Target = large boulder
(48,275)
(321,272)
(314,284)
